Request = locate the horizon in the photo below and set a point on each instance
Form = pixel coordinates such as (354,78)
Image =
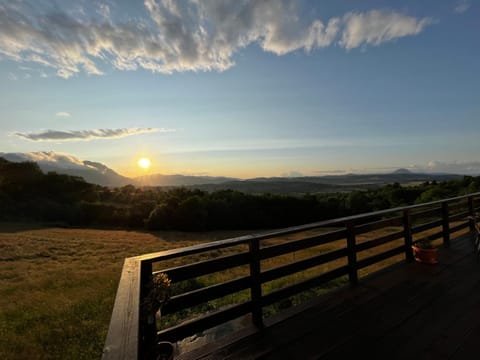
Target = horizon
(68,162)
(246,90)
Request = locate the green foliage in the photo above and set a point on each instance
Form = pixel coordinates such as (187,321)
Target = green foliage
(27,193)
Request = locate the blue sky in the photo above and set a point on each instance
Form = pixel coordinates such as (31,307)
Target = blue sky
(244,88)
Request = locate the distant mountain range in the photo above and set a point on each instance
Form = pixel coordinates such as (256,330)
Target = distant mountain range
(98,173)
(179,180)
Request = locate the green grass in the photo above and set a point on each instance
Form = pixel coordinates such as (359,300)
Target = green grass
(57,286)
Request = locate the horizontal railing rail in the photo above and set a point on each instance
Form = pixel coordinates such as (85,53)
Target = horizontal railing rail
(340,247)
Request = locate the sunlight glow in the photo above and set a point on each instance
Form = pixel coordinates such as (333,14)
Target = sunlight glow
(144,163)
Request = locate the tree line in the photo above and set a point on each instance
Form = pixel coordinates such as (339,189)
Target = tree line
(27,194)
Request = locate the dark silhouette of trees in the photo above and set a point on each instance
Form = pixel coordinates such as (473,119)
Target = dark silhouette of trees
(28,194)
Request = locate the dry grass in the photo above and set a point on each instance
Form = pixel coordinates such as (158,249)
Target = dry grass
(57,286)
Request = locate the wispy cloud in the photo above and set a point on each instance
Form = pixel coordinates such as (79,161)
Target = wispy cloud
(462,6)
(58,135)
(63,114)
(48,158)
(184,36)
(454,167)
(377,27)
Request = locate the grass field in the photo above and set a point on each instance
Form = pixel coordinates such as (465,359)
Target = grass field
(57,286)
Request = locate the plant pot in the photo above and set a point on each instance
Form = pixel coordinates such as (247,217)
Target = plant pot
(164,350)
(426,256)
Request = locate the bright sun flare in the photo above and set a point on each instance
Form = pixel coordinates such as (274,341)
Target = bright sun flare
(144,163)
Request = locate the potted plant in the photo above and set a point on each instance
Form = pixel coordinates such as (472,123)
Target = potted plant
(425,252)
(157,294)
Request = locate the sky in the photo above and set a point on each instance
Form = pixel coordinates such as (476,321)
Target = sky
(244,88)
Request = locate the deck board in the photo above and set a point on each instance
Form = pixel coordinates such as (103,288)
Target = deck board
(413,311)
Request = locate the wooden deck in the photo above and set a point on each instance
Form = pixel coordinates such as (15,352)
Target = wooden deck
(413,311)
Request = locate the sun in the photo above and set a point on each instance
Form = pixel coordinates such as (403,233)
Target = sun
(144,163)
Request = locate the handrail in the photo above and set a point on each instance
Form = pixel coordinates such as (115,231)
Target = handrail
(129,337)
(215,245)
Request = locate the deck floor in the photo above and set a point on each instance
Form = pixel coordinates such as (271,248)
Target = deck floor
(410,311)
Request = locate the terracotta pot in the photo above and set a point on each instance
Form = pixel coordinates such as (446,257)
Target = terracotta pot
(426,256)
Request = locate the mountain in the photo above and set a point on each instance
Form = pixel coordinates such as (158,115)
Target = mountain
(402,171)
(92,172)
(98,173)
(179,180)
(328,183)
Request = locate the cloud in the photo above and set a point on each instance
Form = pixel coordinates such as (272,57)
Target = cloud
(182,36)
(64,161)
(63,114)
(462,6)
(376,27)
(57,135)
(292,174)
(454,167)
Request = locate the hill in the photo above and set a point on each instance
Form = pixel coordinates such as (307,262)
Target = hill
(100,174)
(329,183)
(179,180)
(92,172)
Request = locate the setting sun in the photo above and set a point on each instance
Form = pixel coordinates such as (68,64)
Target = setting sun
(144,163)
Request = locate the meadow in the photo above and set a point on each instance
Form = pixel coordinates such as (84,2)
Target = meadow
(58,285)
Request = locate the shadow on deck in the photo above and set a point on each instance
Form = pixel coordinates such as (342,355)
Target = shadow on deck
(406,311)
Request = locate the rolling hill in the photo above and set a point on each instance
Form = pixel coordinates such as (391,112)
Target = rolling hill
(99,173)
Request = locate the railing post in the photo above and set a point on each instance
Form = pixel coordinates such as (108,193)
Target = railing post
(445,225)
(352,254)
(471,213)
(407,235)
(148,327)
(256,286)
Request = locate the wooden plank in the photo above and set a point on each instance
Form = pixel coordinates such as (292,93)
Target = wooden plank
(431,237)
(394,221)
(379,241)
(459,227)
(438,332)
(301,265)
(123,333)
(358,332)
(200,268)
(426,213)
(204,322)
(356,219)
(352,254)
(296,245)
(199,296)
(255,283)
(407,235)
(291,290)
(426,226)
(379,257)
(412,311)
(458,206)
(383,298)
(459,216)
(445,224)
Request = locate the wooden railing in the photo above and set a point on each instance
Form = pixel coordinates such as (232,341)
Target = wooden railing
(129,337)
